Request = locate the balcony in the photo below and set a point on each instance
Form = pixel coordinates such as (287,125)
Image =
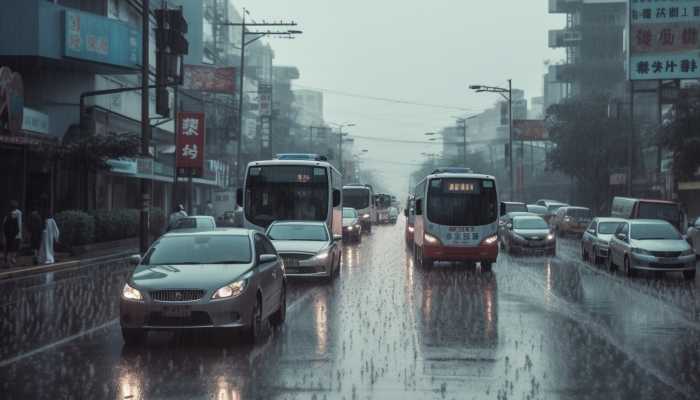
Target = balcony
(563,6)
(564,38)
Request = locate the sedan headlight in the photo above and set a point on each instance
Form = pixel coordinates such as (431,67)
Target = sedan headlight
(430,239)
(358,226)
(365,216)
(130,293)
(350,227)
(321,256)
(231,290)
(550,237)
(637,250)
(411,229)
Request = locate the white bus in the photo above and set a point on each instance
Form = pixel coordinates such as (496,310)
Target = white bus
(361,198)
(291,190)
(456,218)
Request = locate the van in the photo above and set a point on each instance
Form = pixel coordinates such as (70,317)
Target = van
(631,208)
(511,206)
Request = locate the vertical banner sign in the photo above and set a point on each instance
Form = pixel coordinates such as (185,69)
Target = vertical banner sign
(265,100)
(190,144)
(664,39)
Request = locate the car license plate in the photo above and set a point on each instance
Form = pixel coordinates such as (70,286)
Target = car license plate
(667,260)
(177,311)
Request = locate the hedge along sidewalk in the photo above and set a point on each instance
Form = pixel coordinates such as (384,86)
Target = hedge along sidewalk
(120,249)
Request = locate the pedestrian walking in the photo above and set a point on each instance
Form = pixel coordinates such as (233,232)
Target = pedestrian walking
(177,215)
(36,228)
(12,233)
(49,237)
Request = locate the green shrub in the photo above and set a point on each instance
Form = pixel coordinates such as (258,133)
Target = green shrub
(116,224)
(77,228)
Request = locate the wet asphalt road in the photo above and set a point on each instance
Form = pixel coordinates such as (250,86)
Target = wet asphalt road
(534,328)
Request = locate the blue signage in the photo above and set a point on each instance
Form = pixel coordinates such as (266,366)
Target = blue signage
(99,39)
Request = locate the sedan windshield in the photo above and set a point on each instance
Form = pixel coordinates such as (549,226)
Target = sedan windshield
(529,223)
(654,232)
(607,228)
(305,232)
(199,249)
(349,213)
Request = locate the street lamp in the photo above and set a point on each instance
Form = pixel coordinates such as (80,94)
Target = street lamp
(507,94)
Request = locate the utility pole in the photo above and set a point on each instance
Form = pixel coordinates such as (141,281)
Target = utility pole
(340,143)
(145,127)
(288,34)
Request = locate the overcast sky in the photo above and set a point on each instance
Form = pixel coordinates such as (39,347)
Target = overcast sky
(418,51)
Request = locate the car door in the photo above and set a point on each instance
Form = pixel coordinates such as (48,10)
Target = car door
(614,245)
(619,247)
(265,271)
(276,274)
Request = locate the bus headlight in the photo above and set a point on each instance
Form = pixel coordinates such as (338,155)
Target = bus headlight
(411,229)
(430,239)
(490,240)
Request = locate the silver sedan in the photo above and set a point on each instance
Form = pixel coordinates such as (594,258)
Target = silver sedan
(223,279)
(596,239)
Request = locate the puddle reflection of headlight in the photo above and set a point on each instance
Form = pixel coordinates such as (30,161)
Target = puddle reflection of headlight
(226,391)
(130,386)
(321,324)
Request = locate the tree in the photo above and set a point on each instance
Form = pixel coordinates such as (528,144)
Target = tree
(588,144)
(682,136)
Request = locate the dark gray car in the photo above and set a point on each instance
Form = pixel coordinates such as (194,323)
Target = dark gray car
(528,234)
(223,279)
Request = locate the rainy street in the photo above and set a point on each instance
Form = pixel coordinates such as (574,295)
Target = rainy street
(533,328)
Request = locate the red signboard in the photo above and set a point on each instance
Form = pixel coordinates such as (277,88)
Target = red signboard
(529,129)
(210,79)
(190,142)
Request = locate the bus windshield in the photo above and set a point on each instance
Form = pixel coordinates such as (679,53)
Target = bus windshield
(286,192)
(357,198)
(462,202)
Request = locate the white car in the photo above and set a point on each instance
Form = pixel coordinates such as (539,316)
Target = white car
(596,239)
(652,245)
(694,237)
(307,248)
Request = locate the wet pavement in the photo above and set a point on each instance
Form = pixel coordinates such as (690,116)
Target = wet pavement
(534,328)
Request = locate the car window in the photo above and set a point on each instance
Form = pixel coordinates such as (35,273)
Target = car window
(199,249)
(621,229)
(349,213)
(529,223)
(593,227)
(608,228)
(259,248)
(186,223)
(268,247)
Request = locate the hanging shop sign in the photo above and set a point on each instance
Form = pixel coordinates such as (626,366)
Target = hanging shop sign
(11,100)
(189,156)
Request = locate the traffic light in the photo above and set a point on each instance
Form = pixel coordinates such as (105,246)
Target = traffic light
(171,45)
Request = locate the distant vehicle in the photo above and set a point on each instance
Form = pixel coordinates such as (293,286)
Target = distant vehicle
(291,190)
(547,202)
(652,245)
(223,201)
(529,234)
(552,209)
(393,214)
(456,219)
(195,223)
(300,156)
(596,239)
(382,202)
(510,206)
(308,249)
(537,209)
(506,219)
(629,208)
(223,279)
(361,198)
(694,237)
(571,220)
(410,213)
(352,227)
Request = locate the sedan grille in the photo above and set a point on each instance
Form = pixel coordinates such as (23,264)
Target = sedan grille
(294,258)
(666,254)
(177,295)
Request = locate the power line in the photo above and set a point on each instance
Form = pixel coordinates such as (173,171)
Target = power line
(384,99)
(423,142)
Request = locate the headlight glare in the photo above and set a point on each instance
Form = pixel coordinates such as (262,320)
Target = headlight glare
(130,293)
(411,229)
(365,216)
(550,236)
(321,256)
(231,290)
(430,239)
(491,240)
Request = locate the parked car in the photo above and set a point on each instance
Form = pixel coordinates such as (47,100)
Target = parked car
(694,237)
(652,245)
(223,279)
(537,209)
(308,249)
(571,220)
(506,219)
(512,206)
(195,223)
(352,228)
(552,209)
(529,233)
(596,239)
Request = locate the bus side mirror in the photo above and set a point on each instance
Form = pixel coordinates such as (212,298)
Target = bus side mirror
(419,207)
(239,197)
(336,197)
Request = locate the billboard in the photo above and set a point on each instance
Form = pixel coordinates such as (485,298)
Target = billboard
(190,141)
(664,39)
(529,129)
(210,79)
(93,38)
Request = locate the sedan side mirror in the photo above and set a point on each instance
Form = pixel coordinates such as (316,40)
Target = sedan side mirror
(267,258)
(337,238)
(135,259)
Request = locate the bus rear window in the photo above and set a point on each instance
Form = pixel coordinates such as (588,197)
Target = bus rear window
(664,211)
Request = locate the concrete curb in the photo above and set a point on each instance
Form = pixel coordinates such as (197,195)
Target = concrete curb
(40,269)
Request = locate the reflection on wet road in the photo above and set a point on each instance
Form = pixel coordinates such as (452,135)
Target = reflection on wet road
(534,328)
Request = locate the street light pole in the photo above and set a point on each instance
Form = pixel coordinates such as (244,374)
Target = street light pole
(145,127)
(340,143)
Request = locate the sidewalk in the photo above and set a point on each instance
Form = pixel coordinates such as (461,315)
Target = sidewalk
(25,264)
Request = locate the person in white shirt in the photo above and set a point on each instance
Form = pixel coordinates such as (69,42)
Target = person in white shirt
(49,237)
(177,215)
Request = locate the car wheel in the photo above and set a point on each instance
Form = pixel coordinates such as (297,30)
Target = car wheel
(689,275)
(280,315)
(255,328)
(133,337)
(629,271)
